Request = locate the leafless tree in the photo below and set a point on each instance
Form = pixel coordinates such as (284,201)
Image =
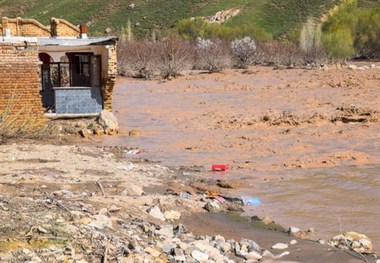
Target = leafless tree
(213,55)
(174,56)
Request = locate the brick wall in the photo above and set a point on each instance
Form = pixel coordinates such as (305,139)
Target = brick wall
(32,28)
(19,84)
(60,28)
(25,27)
(109,82)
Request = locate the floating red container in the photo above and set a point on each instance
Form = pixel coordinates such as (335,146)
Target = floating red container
(220,167)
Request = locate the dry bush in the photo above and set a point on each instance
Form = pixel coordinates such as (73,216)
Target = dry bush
(12,124)
(279,53)
(245,51)
(213,55)
(174,56)
(139,56)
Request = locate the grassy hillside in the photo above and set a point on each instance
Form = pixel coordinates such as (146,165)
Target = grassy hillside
(275,16)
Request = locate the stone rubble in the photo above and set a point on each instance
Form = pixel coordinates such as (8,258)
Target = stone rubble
(104,222)
(357,242)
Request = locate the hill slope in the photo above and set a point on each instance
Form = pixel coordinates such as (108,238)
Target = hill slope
(274,16)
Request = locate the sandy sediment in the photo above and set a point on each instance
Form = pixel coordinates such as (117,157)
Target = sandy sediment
(68,203)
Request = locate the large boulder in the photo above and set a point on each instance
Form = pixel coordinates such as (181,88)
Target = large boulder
(109,122)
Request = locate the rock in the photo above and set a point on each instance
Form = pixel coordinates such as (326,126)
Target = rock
(84,133)
(301,233)
(166,231)
(267,254)
(181,258)
(353,67)
(230,184)
(154,252)
(63,193)
(338,237)
(96,128)
(36,259)
(225,247)
(219,238)
(293,230)
(172,215)
(199,256)
(85,220)
(280,246)
(103,211)
(133,190)
(109,122)
(251,245)
(222,16)
(100,222)
(293,242)
(267,220)
(178,252)
(167,248)
(134,133)
(366,244)
(212,206)
(156,213)
(253,255)
(41,230)
(355,236)
(127,167)
(114,208)
(283,254)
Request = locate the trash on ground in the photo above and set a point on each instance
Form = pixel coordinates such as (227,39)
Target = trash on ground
(251,201)
(135,151)
(185,195)
(220,167)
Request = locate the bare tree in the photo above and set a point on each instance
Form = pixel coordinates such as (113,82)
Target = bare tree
(213,55)
(139,56)
(244,50)
(174,56)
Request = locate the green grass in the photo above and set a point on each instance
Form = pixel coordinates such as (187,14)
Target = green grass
(274,16)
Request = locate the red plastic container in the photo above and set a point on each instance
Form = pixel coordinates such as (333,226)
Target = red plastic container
(220,167)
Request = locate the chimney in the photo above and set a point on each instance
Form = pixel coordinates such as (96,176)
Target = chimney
(83,31)
(7,32)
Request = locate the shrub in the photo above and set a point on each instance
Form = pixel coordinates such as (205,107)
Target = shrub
(281,53)
(367,33)
(193,28)
(212,55)
(174,55)
(137,55)
(339,43)
(310,42)
(11,122)
(244,50)
(352,30)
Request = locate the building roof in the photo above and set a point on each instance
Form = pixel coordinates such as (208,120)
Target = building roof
(74,42)
(18,39)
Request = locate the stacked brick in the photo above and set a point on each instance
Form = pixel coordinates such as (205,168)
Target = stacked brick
(109,82)
(25,27)
(32,28)
(60,27)
(19,84)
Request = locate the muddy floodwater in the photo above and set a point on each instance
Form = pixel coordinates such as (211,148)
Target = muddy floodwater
(306,142)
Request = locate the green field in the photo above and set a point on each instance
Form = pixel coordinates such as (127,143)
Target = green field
(274,16)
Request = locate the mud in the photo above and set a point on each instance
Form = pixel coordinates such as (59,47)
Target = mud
(305,141)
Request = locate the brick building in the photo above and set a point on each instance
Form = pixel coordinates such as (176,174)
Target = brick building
(54,70)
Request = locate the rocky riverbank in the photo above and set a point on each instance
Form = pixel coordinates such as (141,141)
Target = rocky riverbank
(67,203)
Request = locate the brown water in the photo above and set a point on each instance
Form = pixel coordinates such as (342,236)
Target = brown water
(310,174)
